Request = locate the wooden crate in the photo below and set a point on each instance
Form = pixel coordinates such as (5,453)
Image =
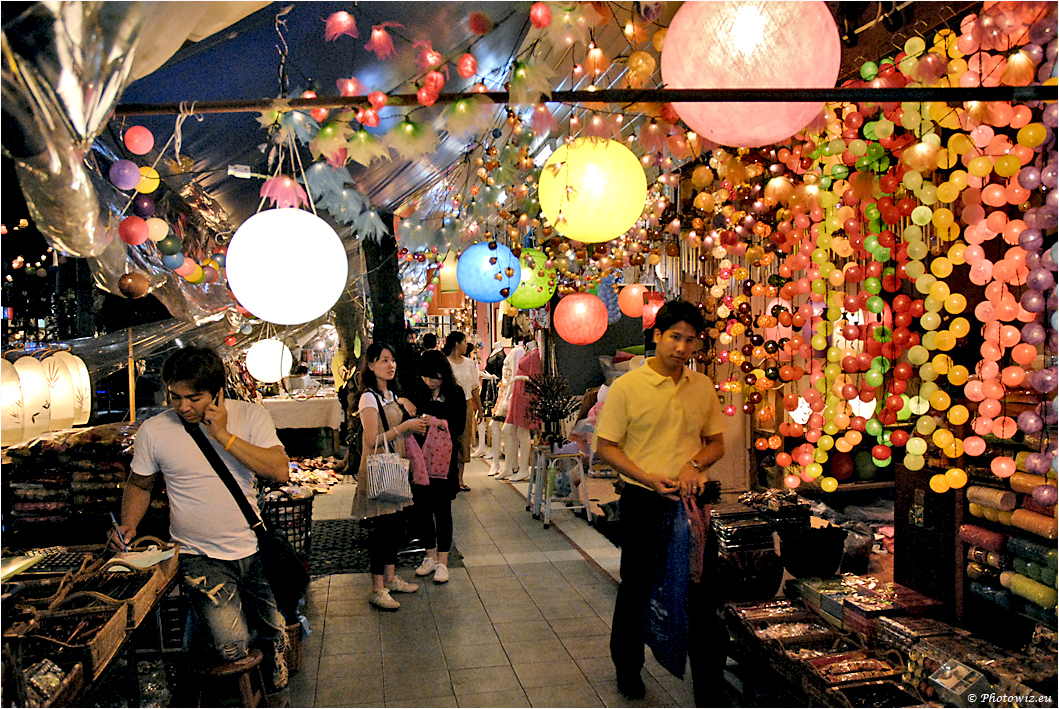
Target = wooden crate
(97,652)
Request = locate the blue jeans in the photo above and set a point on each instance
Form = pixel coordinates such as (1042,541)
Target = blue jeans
(232,599)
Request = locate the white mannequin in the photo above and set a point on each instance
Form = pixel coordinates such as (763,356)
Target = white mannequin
(503,401)
(518,440)
(483,451)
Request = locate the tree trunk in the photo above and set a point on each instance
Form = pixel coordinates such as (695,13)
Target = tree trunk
(387,303)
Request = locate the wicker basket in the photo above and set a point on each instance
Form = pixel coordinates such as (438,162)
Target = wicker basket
(294,648)
(294,520)
(95,653)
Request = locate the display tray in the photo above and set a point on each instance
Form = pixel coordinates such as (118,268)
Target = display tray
(878,693)
(850,667)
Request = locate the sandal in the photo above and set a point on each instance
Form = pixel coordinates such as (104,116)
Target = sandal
(465,488)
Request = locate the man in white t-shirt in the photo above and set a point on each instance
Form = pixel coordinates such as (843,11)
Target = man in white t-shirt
(222,575)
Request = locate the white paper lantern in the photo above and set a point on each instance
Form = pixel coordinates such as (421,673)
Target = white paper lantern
(13,422)
(286,266)
(36,396)
(269,361)
(61,390)
(82,386)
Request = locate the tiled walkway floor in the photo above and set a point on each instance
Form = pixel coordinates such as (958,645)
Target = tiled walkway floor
(526,622)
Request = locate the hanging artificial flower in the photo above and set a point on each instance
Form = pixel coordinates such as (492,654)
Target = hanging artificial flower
(678,146)
(425,96)
(369,224)
(329,141)
(380,41)
(529,81)
(350,87)
(428,57)
(432,85)
(467,66)
(596,62)
(338,24)
(652,138)
(368,117)
(412,140)
(377,99)
(468,116)
(479,23)
(322,182)
(363,148)
(346,205)
(617,121)
(568,27)
(284,191)
(540,15)
(597,127)
(542,121)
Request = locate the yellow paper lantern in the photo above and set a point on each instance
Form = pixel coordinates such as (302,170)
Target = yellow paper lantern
(592,190)
(13,423)
(36,397)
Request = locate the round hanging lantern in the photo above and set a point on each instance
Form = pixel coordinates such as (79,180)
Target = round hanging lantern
(580,318)
(765,45)
(650,309)
(286,266)
(11,429)
(630,300)
(36,397)
(488,272)
(82,386)
(592,190)
(537,282)
(269,361)
(61,387)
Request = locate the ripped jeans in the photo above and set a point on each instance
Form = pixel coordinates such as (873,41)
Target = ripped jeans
(233,599)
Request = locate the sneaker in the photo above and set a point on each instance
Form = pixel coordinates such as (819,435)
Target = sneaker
(383,601)
(399,586)
(428,565)
(441,573)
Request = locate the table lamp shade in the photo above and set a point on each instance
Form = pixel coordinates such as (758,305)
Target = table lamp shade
(13,412)
(36,396)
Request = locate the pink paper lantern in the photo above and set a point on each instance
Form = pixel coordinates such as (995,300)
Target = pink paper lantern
(758,44)
(580,318)
(630,300)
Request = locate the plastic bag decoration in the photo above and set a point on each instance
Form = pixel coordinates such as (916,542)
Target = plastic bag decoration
(592,190)
(488,272)
(64,67)
(758,44)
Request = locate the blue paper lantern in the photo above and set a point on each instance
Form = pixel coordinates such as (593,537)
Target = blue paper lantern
(488,272)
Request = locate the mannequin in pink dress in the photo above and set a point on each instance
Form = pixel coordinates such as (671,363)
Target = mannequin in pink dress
(518,427)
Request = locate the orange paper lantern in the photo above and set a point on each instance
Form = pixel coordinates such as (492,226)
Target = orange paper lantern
(630,300)
(580,318)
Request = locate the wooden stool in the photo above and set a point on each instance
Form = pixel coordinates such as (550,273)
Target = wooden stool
(243,676)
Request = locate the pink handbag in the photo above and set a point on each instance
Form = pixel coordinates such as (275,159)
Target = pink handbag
(437,449)
(417,461)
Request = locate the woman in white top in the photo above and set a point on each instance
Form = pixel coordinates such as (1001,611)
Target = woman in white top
(378,384)
(467,376)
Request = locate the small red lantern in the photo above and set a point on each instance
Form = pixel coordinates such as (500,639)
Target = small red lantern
(540,15)
(652,304)
(630,300)
(580,318)
(467,66)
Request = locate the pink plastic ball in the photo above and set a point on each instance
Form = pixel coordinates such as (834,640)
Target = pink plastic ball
(133,231)
(974,445)
(139,140)
(1002,467)
(1005,427)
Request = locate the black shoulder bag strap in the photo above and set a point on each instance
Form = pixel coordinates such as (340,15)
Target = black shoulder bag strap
(226,477)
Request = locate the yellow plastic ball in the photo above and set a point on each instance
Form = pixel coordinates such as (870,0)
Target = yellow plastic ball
(149,180)
(1007,165)
(939,291)
(939,484)
(980,166)
(942,363)
(942,437)
(941,266)
(958,415)
(960,327)
(940,400)
(955,304)
(828,484)
(925,425)
(956,477)
(1031,135)
(945,341)
(958,375)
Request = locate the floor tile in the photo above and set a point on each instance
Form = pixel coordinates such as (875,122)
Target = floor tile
(469,634)
(460,657)
(569,695)
(566,608)
(488,571)
(412,663)
(509,613)
(524,631)
(417,686)
(563,552)
(367,689)
(510,698)
(596,669)
(446,701)
(579,627)
(526,557)
(497,583)
(535,651)
(485,560)
(351,624)
(592,646)
(545,674)
(478,680)
(336,667)
(348,644)
(654,695)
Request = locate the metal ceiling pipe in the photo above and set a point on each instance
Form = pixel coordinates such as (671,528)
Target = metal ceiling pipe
(621,96)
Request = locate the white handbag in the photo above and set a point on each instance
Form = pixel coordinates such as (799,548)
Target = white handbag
(387,471)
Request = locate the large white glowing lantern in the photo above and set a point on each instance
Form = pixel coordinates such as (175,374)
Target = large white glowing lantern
(286,266)
(82,384)
(580,318)
(758,44)
(36,397)
(592,190)
(13,411)
(269,361)
(61,392)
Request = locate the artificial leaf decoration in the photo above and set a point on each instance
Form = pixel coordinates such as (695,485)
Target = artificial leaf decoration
(364,147)
(381,43)
(338,24)
(543,122)
(321,181)
(412,140)
(330,139)
(468,116)
(529,81)
(369,224)
(284,191)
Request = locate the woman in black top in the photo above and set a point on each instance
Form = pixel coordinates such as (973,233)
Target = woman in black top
(437,394)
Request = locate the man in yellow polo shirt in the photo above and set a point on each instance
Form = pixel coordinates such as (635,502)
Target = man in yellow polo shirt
(661,428)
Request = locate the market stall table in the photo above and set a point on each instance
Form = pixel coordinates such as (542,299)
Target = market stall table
(312,412)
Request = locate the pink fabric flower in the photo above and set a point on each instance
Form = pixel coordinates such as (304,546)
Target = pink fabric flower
(284,191)
(380,41)
(338,24)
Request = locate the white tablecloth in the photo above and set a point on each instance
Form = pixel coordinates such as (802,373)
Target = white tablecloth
(317,412)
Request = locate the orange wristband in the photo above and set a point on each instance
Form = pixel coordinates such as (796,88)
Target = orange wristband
(228,445)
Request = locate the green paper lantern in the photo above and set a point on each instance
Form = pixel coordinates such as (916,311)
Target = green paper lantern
(537,284)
